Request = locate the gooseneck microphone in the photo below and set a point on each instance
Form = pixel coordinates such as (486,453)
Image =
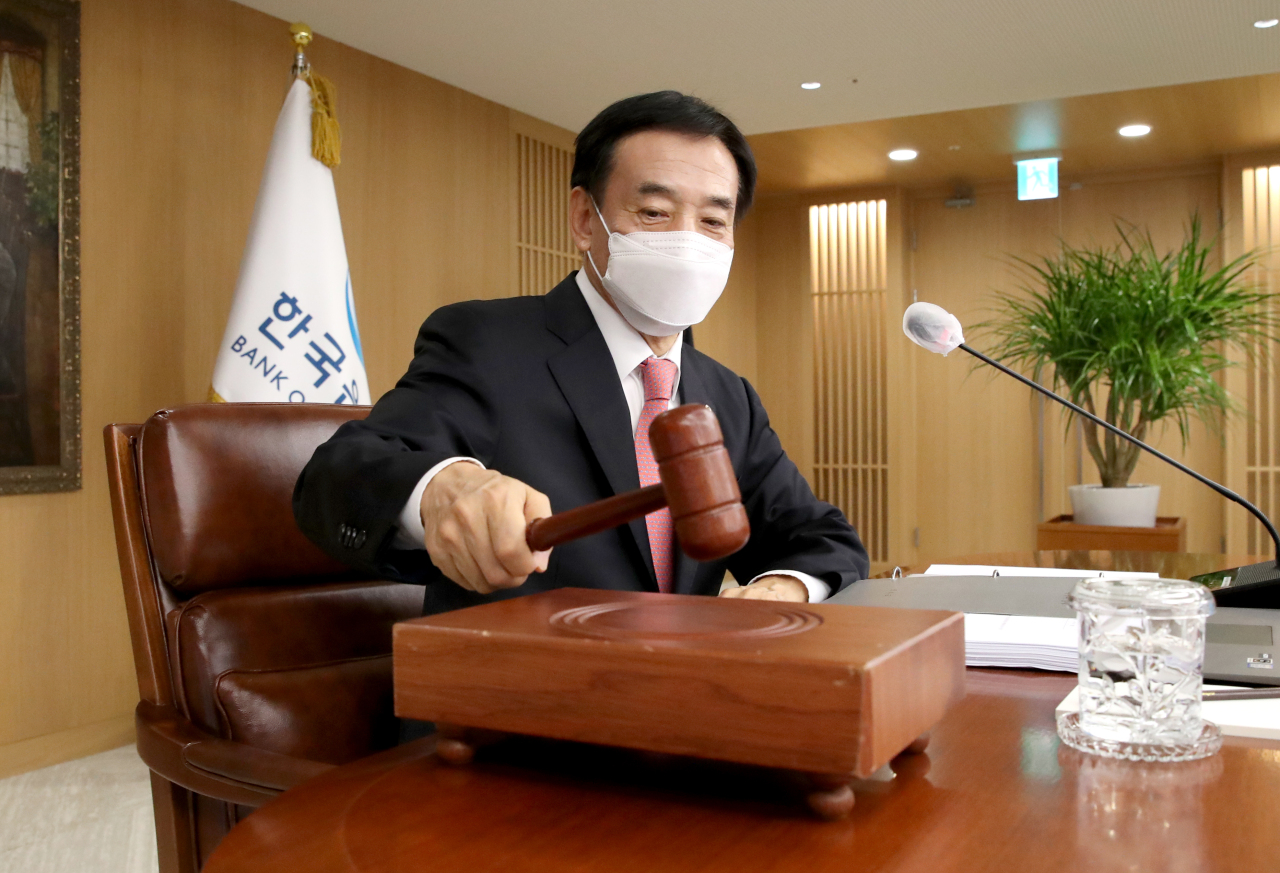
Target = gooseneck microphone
(1255,585)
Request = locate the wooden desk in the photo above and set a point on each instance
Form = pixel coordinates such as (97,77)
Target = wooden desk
(1169,534)
(995,792)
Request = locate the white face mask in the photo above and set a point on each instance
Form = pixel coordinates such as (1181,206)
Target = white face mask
(663,282)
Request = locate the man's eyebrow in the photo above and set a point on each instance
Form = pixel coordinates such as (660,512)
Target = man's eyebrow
(657,188)
(725,203)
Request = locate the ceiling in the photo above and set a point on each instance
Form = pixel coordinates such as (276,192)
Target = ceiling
(563,60)
(1189,123)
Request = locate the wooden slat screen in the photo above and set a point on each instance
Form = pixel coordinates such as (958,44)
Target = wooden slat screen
(1261,422)
(849,276)
(544,251)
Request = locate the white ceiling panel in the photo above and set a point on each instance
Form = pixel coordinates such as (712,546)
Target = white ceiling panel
(562,60)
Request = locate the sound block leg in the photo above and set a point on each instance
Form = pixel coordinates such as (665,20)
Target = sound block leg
(917,746)
(457,745)
(831,797)
(452,746)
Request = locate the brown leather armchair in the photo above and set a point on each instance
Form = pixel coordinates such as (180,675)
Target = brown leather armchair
(261,661)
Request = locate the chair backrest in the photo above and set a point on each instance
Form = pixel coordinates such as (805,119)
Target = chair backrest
(217,480)
(239,622)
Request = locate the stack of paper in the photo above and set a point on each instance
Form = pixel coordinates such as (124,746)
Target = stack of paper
(1039,572)
(1236,718)
(1021,641)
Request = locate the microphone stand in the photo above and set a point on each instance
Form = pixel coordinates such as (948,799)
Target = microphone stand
(1253,585)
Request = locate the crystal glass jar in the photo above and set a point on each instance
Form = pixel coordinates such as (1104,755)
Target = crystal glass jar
(1141,663)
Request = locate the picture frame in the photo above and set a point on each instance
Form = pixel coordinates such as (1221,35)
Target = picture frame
(40,424)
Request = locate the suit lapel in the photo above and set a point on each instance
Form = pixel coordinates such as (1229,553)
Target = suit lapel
(584,371)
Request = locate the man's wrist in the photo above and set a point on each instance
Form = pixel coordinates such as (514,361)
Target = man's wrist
(816,589)
(778,581)
(412,532)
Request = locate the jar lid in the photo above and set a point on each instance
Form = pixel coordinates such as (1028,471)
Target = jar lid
(1170,598)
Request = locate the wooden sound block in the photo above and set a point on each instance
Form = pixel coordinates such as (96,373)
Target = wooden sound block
(825,689)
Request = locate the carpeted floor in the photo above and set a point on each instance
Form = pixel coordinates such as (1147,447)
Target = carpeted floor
(92,815)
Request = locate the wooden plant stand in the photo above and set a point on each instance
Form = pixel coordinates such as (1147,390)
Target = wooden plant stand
(1169,535)
(834,692)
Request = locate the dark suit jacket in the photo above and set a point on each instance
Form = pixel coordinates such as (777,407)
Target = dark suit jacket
(527,385)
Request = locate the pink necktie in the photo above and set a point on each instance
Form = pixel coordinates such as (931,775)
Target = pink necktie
(659,378)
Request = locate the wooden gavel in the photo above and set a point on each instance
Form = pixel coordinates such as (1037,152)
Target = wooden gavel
(697,483)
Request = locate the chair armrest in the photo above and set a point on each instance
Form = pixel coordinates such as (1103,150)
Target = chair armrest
(223,769)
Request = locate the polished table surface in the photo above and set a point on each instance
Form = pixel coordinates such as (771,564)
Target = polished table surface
(995,791)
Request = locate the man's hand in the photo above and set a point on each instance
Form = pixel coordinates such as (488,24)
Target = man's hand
(474,522)
(785,588)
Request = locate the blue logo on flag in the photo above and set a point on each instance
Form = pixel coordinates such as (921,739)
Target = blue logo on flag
(351,321)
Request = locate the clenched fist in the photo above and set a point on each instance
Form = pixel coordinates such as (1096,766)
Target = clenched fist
(474,522)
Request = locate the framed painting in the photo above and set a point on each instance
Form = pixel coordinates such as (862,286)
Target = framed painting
(39,246)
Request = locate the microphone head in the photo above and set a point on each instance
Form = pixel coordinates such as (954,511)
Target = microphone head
(932,327)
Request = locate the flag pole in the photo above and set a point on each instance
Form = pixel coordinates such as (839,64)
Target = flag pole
(326,136)
(301,39)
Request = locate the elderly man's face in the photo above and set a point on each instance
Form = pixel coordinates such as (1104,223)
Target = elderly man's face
(660,181)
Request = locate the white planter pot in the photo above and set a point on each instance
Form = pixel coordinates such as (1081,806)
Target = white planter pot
(1130,506)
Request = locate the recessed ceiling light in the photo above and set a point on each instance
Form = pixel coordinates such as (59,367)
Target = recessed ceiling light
(902,155)
(811,86)
(1266,22)
(1135,130)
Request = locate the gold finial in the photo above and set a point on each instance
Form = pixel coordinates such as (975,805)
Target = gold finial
(301,34)
(301,39)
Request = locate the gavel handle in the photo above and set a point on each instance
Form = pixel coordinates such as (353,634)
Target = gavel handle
(543,533)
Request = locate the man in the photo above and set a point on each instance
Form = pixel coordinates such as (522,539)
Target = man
(516,408)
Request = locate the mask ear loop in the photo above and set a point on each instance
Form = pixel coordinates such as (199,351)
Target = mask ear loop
(606,227)
(592,262)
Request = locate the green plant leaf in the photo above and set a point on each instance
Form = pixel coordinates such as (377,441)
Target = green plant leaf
(1140,335)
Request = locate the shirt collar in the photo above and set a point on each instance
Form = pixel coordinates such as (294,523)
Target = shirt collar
(626,345)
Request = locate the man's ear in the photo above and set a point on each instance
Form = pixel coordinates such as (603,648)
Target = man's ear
(580,212)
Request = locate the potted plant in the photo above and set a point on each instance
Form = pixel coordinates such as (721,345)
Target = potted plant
(1136,337)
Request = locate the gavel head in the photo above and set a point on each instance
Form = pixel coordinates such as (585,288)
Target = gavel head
(698,480)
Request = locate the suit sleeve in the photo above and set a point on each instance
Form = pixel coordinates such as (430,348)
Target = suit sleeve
(349,497)
(791,529)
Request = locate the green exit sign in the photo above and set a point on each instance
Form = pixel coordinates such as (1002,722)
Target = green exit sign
(1038,179)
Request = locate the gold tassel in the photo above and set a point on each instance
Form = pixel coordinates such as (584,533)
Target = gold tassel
(326,136)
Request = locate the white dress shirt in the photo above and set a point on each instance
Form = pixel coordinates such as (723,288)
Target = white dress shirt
(629,350)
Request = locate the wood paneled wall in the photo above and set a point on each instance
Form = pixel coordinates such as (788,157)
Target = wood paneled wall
(971,439)
(785,324)
(544,248)
(180,98)
(790,351)
(849,278)
(1251,195)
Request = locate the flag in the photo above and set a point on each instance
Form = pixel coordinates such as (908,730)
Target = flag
(292,335)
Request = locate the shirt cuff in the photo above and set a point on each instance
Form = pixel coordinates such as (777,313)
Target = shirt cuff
(411,533)
(818,590)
